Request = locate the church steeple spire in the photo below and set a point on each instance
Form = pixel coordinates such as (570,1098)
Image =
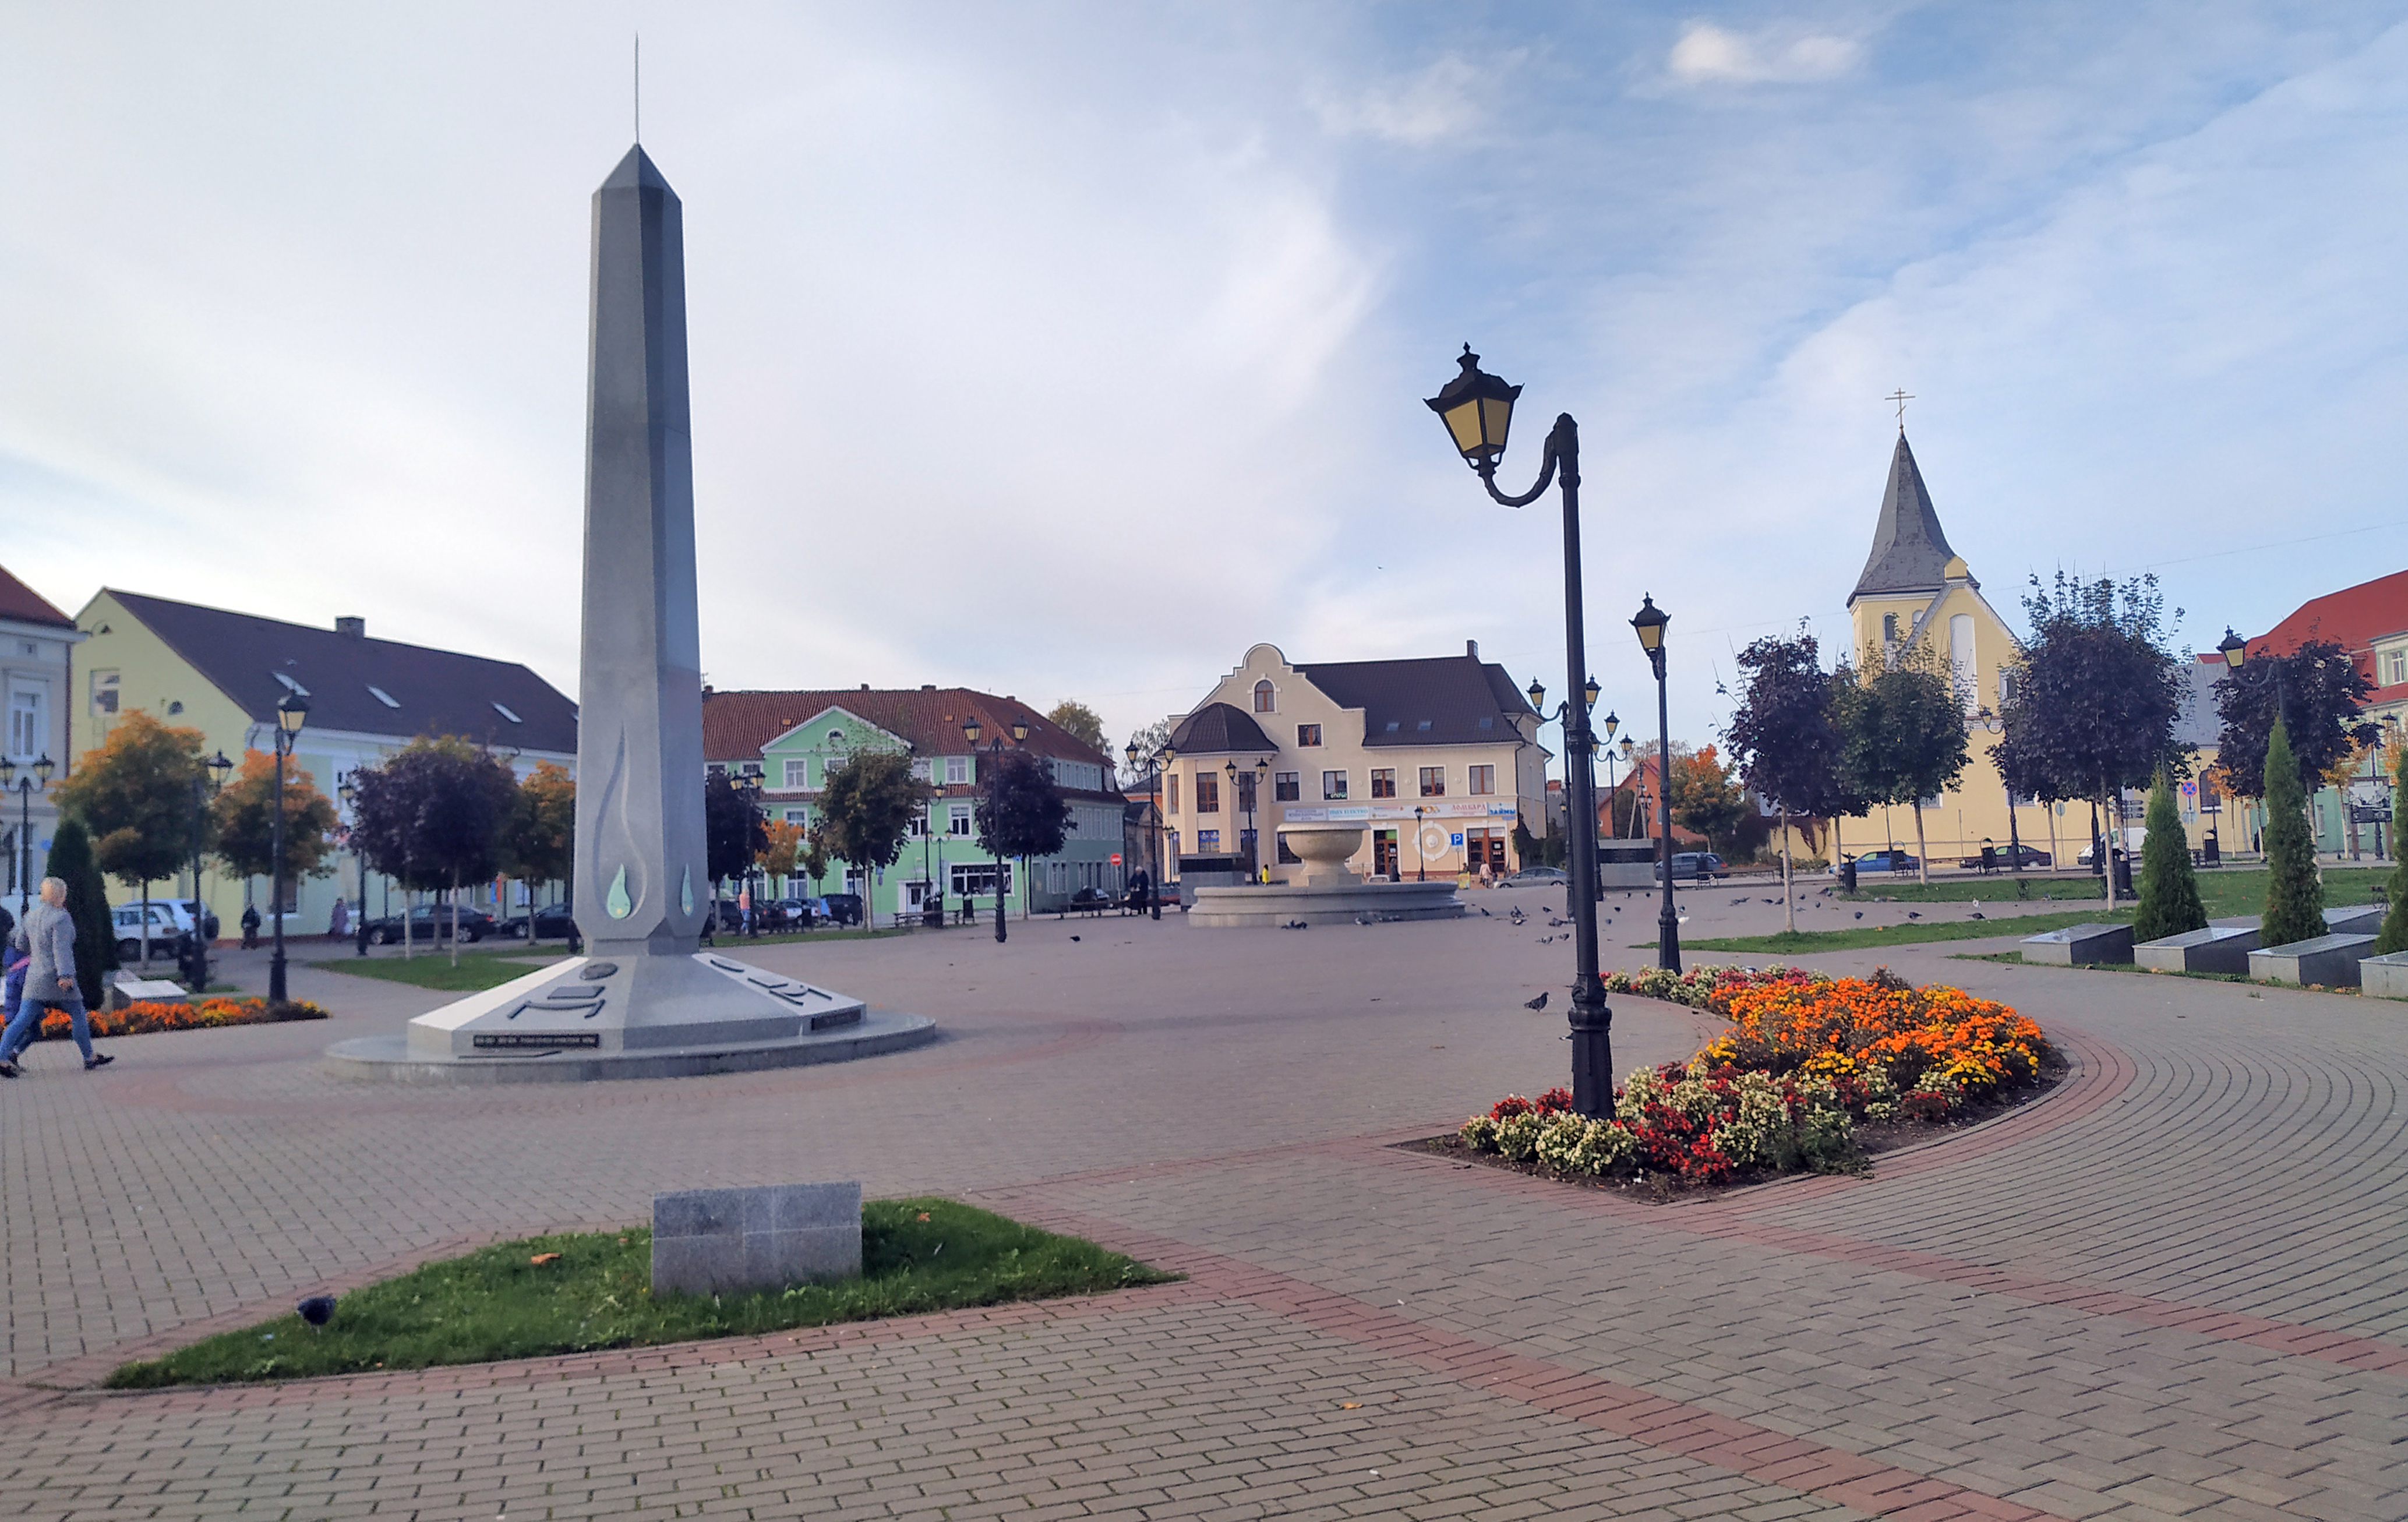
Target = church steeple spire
(1910,554)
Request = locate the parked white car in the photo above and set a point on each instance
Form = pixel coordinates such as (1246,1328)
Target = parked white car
(170,923)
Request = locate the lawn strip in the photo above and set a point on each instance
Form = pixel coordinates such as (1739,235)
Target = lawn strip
(434,969)
(918,1257)
(1857,938)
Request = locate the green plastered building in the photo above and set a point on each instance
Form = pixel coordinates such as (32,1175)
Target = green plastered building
(795,738)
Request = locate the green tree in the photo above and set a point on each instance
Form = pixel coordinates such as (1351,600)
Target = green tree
(430,816)
(866,810)
(1903,739)
(1704,797)
(1080,722)
(136,795)
(2169,902)
(1020,812)
(1149,743)
(734,833)
(1785,737)
(72,862)
(243,817)
(2295,900)
(539,840)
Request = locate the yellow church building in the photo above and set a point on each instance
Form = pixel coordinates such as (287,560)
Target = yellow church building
(1917,595)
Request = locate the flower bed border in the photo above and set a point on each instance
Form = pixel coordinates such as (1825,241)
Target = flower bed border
(151,1017)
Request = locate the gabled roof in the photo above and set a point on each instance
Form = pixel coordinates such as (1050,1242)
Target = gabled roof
(1432,700)
(1910,553)
(26,606)
(1218,727)
(2354,617)
(737,725)
(434,691)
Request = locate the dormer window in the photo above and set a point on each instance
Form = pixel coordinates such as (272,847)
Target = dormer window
(291,686)
(507,714)
(1263,697)
(384,696)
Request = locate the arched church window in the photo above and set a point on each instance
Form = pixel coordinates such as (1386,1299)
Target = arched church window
(1890,628)
(1263,696)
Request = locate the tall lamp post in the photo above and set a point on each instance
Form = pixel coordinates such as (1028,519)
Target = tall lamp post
(1612,723)
(971,729)
(1153,822)
(1995,724)
(1627,747)
(1581,843)
(290,715)
(1478,411)
(26,787)
(1247,788)
(1650,624)
(350,795)
(207,779)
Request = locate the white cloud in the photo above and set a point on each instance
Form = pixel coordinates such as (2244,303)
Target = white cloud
(1774,55)
(1417,109)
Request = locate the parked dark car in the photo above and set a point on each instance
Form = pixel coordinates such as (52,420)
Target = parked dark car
(1887,861)
(553,921)
(1090,901)
(844,908)
(1700,865)
(1528,875)
(431,923)
(2013,858)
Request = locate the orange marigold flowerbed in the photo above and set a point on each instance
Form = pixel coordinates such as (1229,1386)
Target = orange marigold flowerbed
(1807,1059)
(143,1016)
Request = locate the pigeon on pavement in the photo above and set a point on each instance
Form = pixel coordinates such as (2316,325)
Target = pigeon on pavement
(317,1309)
(1914,914)
(1484,914)
(1860,913)
(1074,938)
(1537,1003)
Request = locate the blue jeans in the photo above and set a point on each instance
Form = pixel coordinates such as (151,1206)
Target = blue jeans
(27,1024)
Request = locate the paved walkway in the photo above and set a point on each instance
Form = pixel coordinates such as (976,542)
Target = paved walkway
(2173,1288)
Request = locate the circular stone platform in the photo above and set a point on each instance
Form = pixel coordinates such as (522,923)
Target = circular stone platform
(388,1057)
(1272,905)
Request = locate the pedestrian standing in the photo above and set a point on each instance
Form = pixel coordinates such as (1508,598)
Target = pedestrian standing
(251,926)
(50,935)
(340,925)
(13,987)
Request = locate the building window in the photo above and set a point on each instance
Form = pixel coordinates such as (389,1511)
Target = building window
(1333,785)
(1286,787)
(919,825)
(1171,844)
(28,735)
(1173,780)
(1383,783)
(2006,689)
(1208,841)
(1263,697)
(957,770)
(1308,735)
(1208,793)
(1484,780)
(958,819)
(1246,790)
(104,695)
(1890,628)
(1287,857)
(798,816)
(798,774)
(1433,782)
(975,879)
(2395,667)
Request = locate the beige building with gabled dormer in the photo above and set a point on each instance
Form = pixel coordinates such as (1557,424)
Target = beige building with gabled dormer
(1439,758)
(1917,595)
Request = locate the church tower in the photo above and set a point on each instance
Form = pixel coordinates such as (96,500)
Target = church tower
(1916,593)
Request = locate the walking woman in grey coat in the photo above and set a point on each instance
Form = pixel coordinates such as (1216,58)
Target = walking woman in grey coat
(48,934)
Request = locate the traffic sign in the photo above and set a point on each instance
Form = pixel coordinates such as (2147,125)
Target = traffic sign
(1116,858)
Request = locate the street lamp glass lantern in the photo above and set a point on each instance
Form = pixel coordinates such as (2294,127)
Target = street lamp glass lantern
(1589,693)
(1130,751)
(219,766)
(292,713)
(970,730)
(1650,624)
(8,771)
(1169,753)
(42,769)
(1231,768)
(1612,723)
(1019,730)
(2234,649)
(1627,747)
(1537,693)
(1478,411)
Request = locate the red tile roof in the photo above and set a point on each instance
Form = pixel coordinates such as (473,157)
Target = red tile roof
(27,606)
(736,725)
(2354,617)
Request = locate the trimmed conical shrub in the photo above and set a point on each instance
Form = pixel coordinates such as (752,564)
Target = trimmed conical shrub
(2393,937)
(2295,900)
(2169,892)
(72,863)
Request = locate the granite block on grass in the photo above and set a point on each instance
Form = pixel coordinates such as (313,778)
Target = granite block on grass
(2219,948)
(717,1241)
(2079,944)
(2329,961)
(2354,920)
(2385,977)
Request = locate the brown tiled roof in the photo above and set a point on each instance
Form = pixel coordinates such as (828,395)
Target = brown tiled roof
(736,725)
(27,606)
(1435,700)
(1218,727)
(434,692)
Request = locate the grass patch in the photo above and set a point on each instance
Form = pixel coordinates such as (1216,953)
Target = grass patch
(917,1256)
(2226,891)
(1857,938)
(434,969)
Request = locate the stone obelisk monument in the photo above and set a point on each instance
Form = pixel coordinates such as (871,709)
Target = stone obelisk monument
(646,1001)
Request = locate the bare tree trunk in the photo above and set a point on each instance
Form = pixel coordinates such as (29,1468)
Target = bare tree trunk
(407,950)
(146,924)
(1788,904)
(455,916)
(1922,857)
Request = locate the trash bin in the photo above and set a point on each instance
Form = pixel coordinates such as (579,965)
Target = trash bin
(1847,875)
(2123,874)
(2214,852)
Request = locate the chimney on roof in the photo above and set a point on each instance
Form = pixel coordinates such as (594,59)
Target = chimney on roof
(356,628)
(1472,648)
(865,686)
(927,686)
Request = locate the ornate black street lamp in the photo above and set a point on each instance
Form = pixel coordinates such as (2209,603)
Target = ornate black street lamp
(1154,824)
(1537,693)
(1627,747)
(349,791)
(748,786)
(290,715)
(26,787)
(207,779)
(1650,624)
(1478,411)
(971,731)
(1993,724)
(1247,790)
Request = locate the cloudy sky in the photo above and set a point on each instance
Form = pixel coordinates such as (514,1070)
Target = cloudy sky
(1069,350)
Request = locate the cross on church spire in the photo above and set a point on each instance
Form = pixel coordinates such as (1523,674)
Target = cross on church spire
(1901,396)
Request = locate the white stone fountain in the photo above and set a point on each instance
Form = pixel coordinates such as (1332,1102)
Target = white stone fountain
(1324,892)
